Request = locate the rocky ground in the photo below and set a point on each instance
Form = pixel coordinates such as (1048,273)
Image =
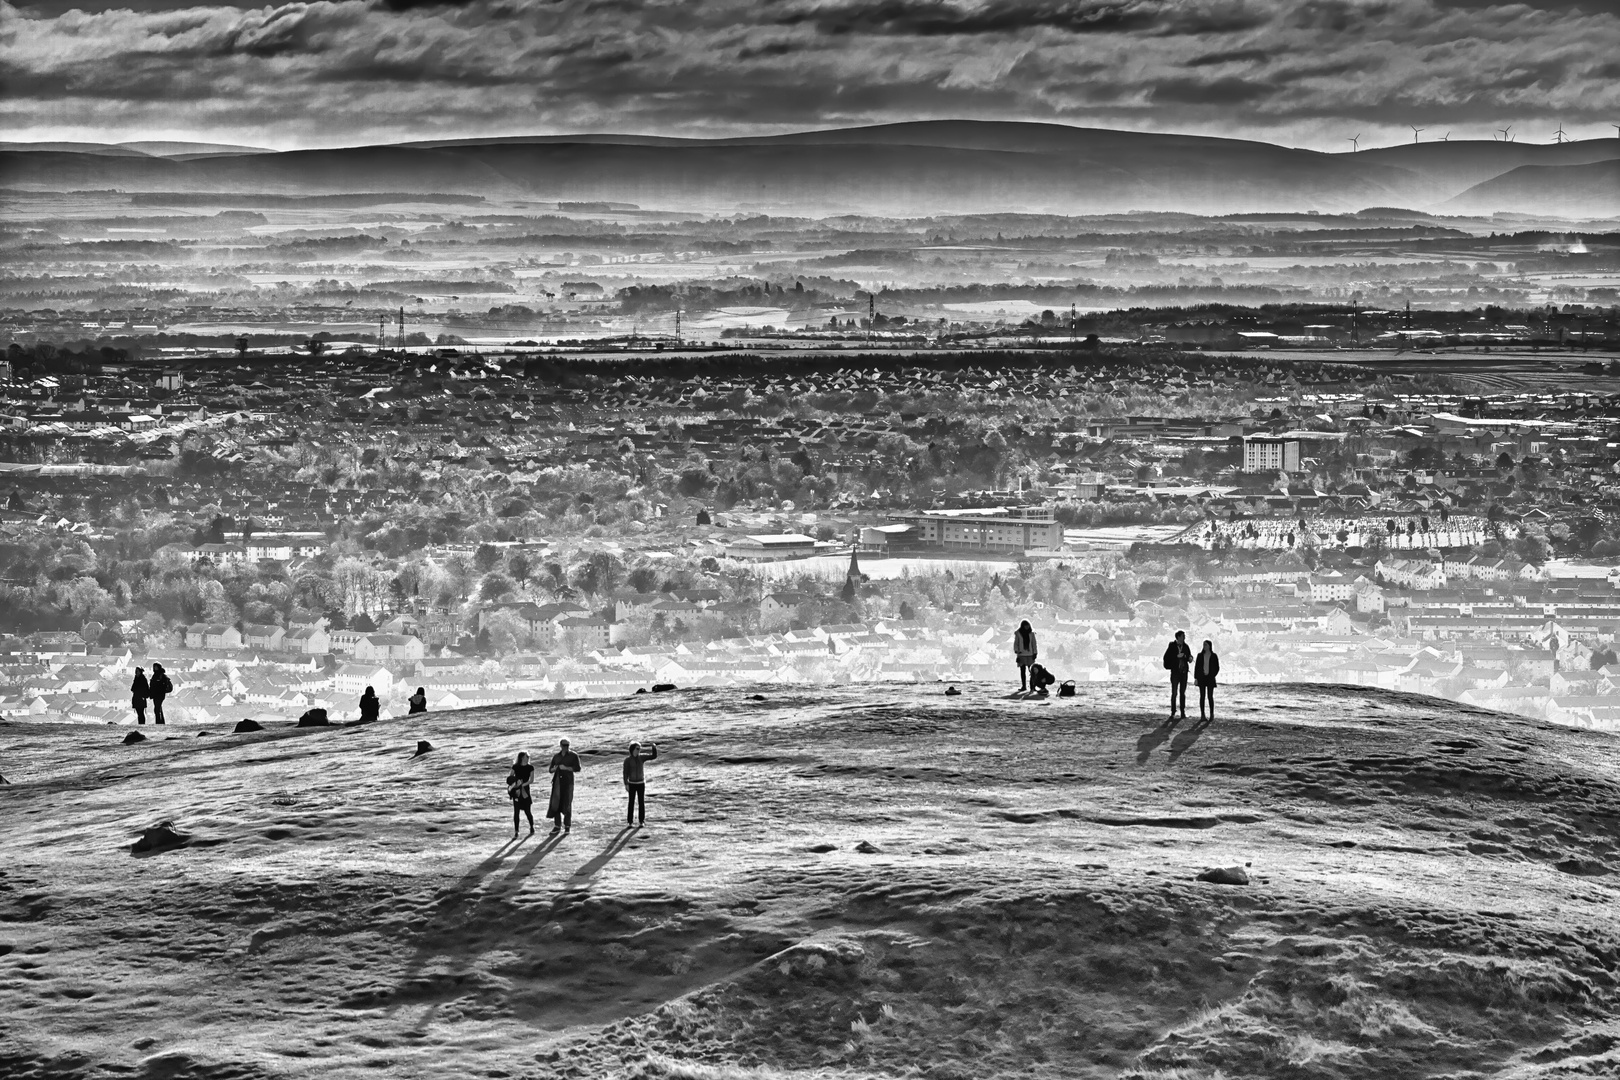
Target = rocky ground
(833,882)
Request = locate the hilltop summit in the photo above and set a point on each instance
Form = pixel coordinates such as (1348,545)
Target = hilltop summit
(866,880)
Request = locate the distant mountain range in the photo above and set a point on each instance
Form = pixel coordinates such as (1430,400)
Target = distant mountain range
(927,167)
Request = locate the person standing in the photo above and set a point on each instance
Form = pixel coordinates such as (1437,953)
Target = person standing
(1024,649)
(635,782)
(418,700)
(518,789)
(370,707)
(1205,668)
(158,688)
(139,691)
(564,764)
(1177,661)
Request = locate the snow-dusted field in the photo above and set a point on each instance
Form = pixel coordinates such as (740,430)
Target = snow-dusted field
(850,882)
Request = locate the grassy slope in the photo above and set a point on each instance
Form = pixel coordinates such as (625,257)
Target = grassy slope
(1030,910)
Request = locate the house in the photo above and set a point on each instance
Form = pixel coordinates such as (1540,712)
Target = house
(590,631)
(351,680)
(259,636)
(781,608)
(213,636)
(389,648)
(310,640)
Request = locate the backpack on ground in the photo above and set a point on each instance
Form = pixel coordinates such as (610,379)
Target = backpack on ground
(1066,689)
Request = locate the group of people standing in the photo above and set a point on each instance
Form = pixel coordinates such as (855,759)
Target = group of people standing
(563,767)
(1179,661)
(153,690)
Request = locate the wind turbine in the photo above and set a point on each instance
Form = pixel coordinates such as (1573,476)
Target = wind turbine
(1355,140)
(1415,131)
(1504,133)
(1446,137)
(1616,130)
(1558,136)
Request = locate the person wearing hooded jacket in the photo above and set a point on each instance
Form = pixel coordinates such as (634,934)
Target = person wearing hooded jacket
(370,707)
(158,688)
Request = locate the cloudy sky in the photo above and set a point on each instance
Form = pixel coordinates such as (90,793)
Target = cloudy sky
(341,72)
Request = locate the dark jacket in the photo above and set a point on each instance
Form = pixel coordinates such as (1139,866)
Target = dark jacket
(160,687)
(517,784)
(418,703)
(564,764)
(633,771)
(1204,674)
(139,691)
(1177,659)
(369,707)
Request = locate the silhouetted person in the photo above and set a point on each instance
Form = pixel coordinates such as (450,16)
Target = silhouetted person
(1205,668)
(518,790)
(1177,660)
(635,782)
(139,691)
(370,707)
(564,764)
(418,701)
(1024,649)
(158,688)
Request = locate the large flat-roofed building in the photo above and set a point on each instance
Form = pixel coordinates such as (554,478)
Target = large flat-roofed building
(771,547)
(1264,454)
(1013,531)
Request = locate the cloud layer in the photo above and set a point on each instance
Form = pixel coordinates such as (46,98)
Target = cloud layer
(335,72)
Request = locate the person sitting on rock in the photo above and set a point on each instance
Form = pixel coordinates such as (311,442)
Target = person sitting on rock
(518,790)
(370,707)
(418,701)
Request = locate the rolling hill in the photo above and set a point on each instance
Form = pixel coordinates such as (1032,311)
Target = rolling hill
(897,169)
(853,882)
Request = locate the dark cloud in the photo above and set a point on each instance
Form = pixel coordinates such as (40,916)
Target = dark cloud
(324,71)
(1236,56)
(931,18)
(1219,92)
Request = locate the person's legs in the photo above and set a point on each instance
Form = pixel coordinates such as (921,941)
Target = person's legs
(157,710)
(1172,697)
(1178,695)
(630,804)
(638,795)
(528,814)
(1023,678)
(140,714)
(1210,690)
(515,811)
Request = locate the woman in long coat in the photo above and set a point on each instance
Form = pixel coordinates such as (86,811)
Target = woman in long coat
(564,764)
(1205,667)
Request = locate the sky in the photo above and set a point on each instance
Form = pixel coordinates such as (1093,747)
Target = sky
(1308,73)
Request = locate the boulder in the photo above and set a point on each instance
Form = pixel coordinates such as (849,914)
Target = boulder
(951,691)
(134,737)
(659,688)
(641,689)
(422,747)
(756,697)
(314,718)
(160,837)
(244,726)
(200,734)
(867,848)
(4,781)
(1584,867)
(1225,875)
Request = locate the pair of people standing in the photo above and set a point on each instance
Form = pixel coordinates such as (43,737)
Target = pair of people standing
(1180,662)
(154,690)
(564,766)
